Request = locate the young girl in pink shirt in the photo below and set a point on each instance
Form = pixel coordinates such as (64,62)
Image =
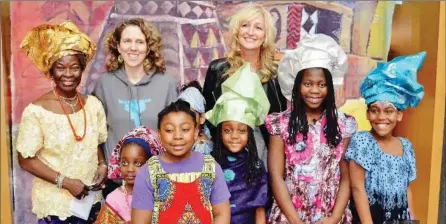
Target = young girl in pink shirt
(131,152)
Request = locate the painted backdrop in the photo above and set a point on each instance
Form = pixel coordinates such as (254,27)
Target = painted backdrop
(194,33)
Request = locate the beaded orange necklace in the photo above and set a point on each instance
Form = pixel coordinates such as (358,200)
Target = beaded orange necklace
(76,137)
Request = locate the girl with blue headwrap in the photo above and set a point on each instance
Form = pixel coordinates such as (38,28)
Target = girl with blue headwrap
(131,152)
(381,165)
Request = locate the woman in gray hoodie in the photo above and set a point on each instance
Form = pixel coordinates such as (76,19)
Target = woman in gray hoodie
(135,88)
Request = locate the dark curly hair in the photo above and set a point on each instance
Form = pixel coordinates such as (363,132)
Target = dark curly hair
(154,58)
(254,171)
(177,106)
(298,121)
(194,84)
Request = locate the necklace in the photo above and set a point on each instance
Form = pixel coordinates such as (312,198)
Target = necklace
(76,137)
(124,190)
(72,105)
(66,98)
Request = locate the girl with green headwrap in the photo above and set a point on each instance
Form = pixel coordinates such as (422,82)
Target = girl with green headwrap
(242,107)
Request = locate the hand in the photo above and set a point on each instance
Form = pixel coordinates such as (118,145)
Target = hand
(327,220)
(101,177)
(75,187)
(203,138)
(298,222)
(295,220)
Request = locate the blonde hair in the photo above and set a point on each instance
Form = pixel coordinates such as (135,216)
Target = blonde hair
(268,48)
(154,58)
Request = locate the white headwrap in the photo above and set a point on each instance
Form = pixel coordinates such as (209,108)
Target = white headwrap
(313,51)
(194,97)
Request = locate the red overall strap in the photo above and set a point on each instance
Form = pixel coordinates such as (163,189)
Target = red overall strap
(186,206)
(178,202)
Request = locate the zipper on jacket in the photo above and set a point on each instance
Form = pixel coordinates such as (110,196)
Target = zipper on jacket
(215,100)
(277,95)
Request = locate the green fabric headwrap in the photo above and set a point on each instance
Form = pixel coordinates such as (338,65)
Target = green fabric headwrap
(243,99)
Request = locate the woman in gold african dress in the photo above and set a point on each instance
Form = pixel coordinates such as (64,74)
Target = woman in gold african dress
(60,131)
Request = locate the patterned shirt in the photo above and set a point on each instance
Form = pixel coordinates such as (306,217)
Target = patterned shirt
(143,191)
(387,176)
(48,136)
(312,172)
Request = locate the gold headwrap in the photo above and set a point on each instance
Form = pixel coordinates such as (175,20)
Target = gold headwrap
(47,43)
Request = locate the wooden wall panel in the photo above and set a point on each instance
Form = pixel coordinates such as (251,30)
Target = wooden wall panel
(419,26)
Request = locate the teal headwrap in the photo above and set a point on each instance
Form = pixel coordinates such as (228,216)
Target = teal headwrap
(395,82)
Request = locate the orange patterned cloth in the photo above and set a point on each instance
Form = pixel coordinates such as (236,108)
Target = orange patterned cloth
(47,43)
(108,215)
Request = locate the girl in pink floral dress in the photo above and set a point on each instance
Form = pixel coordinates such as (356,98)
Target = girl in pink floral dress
(309,177)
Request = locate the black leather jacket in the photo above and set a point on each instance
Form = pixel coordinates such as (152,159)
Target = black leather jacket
(212,91)
(214,79)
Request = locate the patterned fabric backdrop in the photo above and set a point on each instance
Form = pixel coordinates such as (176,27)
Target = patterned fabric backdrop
(194,33)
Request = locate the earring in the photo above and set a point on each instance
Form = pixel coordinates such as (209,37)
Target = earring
(123,183)
(120,59)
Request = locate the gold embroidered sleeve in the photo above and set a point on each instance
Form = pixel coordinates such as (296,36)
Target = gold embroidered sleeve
(30,137)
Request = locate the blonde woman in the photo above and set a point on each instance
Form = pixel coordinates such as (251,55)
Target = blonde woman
(253,40)
(135,88)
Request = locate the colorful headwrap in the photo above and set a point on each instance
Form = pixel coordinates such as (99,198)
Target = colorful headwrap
(194,97)
(140,142)
(313,51)
(47,43)
(143,136)
(243,99)
(395,82)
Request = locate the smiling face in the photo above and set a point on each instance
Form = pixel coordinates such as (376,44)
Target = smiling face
(67,74)
(132,158)
(133,46)
(313,89)
(234,135)
(251,34)
(178,134)
(383,117)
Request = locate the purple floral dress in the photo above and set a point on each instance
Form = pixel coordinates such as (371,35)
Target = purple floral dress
(313,175)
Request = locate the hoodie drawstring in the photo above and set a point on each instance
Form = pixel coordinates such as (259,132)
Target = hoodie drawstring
(129,90)
(137,103)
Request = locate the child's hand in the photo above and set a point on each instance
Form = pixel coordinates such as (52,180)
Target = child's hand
(295,221)
(299,222)
(101,177)
(327,220)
